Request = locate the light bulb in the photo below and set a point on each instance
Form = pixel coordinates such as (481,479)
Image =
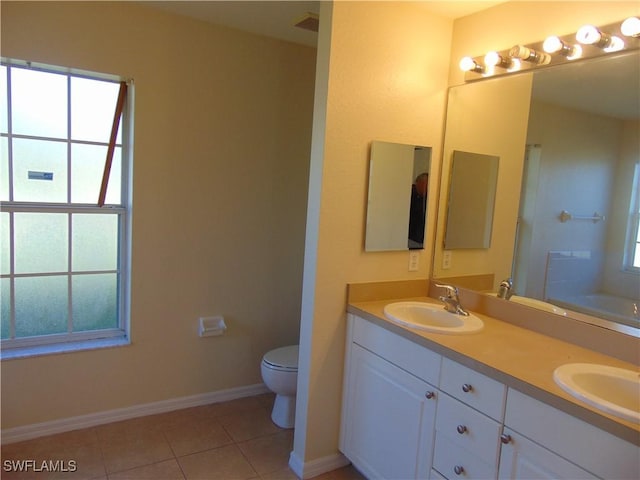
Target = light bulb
(631,27)
(552,44)
(492,59)
(468,64)
(556,45)
(588,35)
(529,55)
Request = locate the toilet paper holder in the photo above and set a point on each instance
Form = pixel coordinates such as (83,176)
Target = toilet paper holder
(211,326)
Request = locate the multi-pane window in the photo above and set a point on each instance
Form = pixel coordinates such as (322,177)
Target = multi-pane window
(63,255)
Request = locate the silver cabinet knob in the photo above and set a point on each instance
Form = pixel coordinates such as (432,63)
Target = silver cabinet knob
(466,388)
(461,429)
(430,395)
(458,469)
(505,438)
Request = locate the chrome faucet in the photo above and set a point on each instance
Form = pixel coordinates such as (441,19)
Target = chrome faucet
(451,300)
(506,289)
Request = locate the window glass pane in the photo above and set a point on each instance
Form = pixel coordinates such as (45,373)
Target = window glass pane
(94,242)
(87,167)
(4,169)
(39,171)
(95,301)
(5,266)
(4,127)
(41,305)
(39,103)
(5,308)
(41,242)
(93,104)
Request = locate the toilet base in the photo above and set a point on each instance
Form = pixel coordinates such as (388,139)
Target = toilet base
(284,411)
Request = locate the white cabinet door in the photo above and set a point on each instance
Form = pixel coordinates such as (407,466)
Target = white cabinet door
(390,419)
(521,458)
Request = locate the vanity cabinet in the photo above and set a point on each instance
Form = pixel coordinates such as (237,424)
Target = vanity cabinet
(468,424)
(540,441)
(407,412)
(389,404)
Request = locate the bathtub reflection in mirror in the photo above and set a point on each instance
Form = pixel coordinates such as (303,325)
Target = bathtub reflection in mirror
(397,196)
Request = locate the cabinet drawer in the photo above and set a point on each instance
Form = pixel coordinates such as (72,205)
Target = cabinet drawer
(473,388)
(453,461)
(595,450)
(468,428)
(411,357)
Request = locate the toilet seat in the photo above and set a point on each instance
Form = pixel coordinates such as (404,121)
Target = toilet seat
(283,359)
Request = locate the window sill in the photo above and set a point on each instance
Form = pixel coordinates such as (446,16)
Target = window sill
(53,349)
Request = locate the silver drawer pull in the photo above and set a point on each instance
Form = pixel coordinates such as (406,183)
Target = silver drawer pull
(461,429)
(458,469)
(505,438)
(466,388)
(430,395)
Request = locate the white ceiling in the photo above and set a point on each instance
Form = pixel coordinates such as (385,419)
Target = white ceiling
(275,18)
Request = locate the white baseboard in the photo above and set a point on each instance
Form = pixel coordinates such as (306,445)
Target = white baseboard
(316,467)
(28,432)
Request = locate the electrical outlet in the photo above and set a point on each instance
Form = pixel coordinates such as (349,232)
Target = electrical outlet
(446,259)
(414,260)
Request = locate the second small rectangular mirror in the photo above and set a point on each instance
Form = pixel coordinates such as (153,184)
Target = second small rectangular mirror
(472,193)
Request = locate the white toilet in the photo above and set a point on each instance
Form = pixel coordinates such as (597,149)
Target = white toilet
(280,374)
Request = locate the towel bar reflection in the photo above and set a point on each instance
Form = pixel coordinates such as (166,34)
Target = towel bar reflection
(566,216)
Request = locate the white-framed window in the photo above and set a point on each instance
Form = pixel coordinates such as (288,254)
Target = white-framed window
(64,208)
(632,254)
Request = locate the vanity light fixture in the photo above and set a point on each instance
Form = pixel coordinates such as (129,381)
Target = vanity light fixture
(554,44)
(631,27)
(529,55)
(591,42)
(590,35)
(468,64)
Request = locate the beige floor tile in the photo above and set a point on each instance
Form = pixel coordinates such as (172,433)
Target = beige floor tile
(249,424)
(268,454)
(195,434)
(224,463)
(232,406)
(167,470)
(71,455)
(282,474)
(134,448)
(345,473)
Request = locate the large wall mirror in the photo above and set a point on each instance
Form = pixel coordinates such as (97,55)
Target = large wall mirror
(567,210)
(397,197)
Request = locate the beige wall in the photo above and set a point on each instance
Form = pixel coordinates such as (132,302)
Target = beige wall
(381,73)
(380,77)
(222,141)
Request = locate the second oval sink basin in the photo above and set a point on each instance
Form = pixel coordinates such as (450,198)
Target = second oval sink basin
(430,317)
(610,389)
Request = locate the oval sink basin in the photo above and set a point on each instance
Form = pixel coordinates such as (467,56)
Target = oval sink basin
(610,389)
(433,318)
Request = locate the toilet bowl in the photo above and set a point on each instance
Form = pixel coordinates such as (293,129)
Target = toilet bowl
(280,374)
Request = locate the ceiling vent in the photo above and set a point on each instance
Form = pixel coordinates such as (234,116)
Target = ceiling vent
(309,21)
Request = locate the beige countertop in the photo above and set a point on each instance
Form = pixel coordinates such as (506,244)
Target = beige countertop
(518,357)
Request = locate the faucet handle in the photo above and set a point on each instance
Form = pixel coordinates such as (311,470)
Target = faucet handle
(452,291)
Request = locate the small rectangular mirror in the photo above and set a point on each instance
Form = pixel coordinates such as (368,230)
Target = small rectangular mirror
(397,200)
(472,193)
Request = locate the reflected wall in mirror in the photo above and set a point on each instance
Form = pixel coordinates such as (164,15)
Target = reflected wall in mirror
(397,198)
(580,153)
(472,193)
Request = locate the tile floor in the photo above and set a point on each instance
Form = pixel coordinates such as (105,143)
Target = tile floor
(229,440)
